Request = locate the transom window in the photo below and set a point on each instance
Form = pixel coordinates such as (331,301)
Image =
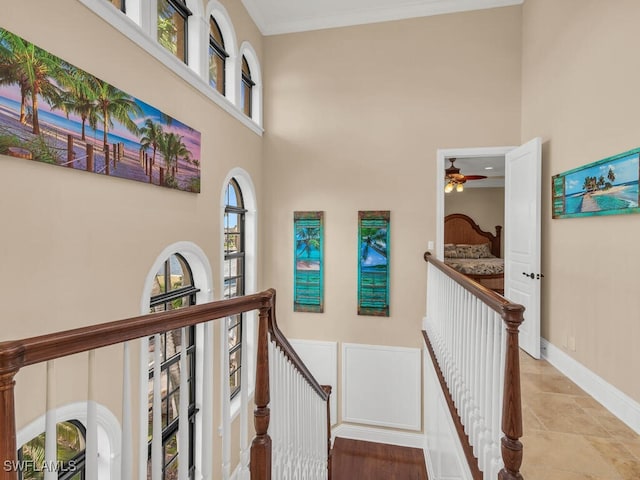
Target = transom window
(217,57)
(172,27)
(246,88)
(173,288)
(234,275)
(70,454)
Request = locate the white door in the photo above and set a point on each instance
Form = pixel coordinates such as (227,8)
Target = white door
(522,238)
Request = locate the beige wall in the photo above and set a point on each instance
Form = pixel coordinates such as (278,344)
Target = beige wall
(76,248)
(353,119)
(580,94)
(484,205)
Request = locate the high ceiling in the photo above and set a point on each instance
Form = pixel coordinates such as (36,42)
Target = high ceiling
(285,16)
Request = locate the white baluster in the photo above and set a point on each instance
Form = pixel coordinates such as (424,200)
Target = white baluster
(91,446)
(51,436)
(225,400)
(245,446)
(126,463)
(206,459)
(183,410)
(143,409)
(156,441)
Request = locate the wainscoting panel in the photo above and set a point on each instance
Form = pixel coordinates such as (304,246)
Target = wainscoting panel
(381,386)
(321,358)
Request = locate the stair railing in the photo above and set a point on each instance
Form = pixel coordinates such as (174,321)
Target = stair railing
(17,354)
(472,335)
(298,422)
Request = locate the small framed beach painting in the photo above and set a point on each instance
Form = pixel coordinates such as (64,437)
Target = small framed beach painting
(308,271)
(373,263)
(56,113)
(605,187)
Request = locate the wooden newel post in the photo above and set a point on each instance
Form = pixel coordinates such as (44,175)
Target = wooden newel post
(10,362)
(260,463)
(512,400)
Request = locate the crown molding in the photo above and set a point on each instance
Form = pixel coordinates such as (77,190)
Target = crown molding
(264,13)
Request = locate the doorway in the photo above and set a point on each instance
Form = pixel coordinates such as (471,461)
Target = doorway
(443,156)
(521,226)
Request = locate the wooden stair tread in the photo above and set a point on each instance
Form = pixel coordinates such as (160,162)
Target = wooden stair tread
(357,459)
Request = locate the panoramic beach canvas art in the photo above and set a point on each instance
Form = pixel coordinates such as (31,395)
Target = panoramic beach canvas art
(308,273)
(53,112)
(373,263)
(605,187)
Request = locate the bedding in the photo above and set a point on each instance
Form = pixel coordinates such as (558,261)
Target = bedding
(477,266)
(472,259)
(474,252)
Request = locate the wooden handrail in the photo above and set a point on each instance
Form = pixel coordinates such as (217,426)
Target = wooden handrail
(16,354)
(513,315)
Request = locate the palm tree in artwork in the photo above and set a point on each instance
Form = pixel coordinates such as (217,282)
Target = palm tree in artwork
(80,96)
(307,240)
(173,148)
(11,49)
(112,104)
(34,69)
(376,240)
(151,136)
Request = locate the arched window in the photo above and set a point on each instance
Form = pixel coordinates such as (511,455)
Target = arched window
(217,57)
(234,275)
(173,288)
(246,89)
(70,456)
(172,27)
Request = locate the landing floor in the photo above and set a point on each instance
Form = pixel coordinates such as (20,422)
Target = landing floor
(567,434)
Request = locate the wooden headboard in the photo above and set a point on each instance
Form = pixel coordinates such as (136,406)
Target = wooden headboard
(459,228)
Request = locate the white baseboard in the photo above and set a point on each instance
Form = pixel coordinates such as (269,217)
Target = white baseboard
(617,402)
(379,435)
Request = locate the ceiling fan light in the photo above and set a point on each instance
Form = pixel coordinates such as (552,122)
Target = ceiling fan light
(448,187)
(459,187)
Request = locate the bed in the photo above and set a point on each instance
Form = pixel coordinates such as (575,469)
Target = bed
(474,252)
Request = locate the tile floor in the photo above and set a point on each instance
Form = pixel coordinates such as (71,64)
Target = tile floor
(567,434)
